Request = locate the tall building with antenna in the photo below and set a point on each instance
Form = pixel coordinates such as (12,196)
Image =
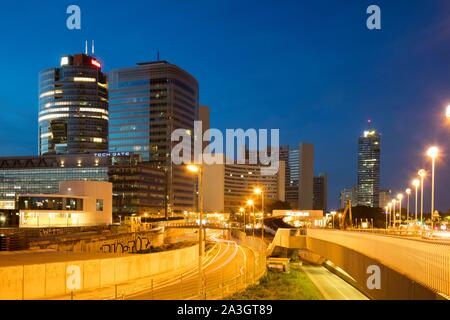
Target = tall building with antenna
(147,103)
(73,107)
(369,152)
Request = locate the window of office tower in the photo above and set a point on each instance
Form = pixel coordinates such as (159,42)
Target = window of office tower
(129,114)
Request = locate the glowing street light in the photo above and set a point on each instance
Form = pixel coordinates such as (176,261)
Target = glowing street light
(400,197)
(193,168)
(432,153)
(416,184)
(447,112)
(408,193)
(422,173)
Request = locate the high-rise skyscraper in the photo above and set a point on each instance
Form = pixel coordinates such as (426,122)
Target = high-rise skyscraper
(368,186)
(73,107)
(299,175)
(147,103)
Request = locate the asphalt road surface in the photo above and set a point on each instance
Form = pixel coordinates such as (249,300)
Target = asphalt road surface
(330,285)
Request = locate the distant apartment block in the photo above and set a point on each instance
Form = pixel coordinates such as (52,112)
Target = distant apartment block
(299,175)
(227,187)
(320,189)
(348,194)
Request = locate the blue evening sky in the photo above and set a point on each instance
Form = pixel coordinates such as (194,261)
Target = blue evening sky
(310,68)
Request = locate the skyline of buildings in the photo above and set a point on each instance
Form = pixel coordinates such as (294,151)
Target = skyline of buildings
(143,102)
(116,127)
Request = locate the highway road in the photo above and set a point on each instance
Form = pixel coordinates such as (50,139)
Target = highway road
(330,285)
(227,268)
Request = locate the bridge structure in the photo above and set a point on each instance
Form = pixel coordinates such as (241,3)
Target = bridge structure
(408,268)
(193,225)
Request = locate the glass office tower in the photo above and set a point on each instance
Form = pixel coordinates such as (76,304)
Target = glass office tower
(73,107)
(147,102)
(368,187)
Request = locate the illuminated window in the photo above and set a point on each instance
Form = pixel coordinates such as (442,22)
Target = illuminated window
(99,205)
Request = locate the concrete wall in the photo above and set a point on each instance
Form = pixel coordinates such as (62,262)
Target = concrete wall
(107,243)
(49,280)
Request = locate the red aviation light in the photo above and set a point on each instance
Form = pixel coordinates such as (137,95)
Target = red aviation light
(96,63)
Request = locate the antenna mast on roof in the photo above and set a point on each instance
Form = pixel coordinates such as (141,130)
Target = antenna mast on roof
(93,48)
(86,48)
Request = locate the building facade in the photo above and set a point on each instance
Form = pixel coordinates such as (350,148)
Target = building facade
(385,198)
(346,195)
(227,187)
(320,189)
(138,187)
(147,103)
(299,175)
(369,150)
(78,203)
(73,107)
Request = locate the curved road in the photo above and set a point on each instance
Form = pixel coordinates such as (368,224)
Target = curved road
(226,268)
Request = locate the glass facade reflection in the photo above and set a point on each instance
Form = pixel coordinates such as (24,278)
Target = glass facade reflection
(138,187)
(146,103)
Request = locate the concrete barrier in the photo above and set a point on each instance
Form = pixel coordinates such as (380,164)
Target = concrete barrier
(39,281)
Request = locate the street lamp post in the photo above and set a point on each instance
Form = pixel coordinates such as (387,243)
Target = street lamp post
(242,211)
(416,184)
(400,197)
(389,212)
(386,212)
(260,190)
(408,193)
(198,170)
(421,174)
(432,153)
(251,204)
(394,202)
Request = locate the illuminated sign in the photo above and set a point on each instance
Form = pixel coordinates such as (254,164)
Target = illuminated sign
(96,63)
(112,154)
(298,214)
